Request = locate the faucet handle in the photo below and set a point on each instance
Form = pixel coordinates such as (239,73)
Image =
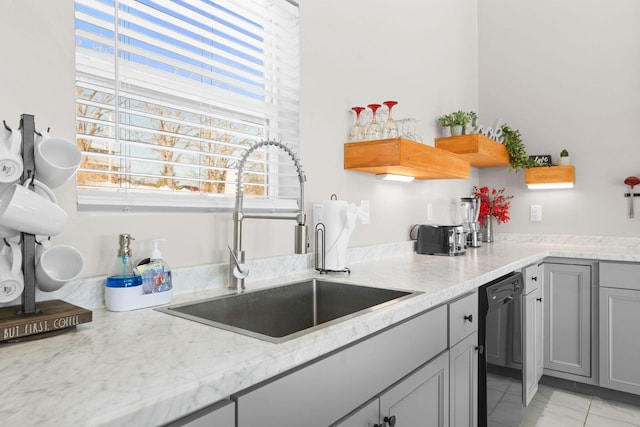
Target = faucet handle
(240,270)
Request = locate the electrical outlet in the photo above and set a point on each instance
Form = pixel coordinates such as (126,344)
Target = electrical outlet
(535,213)
(429,212)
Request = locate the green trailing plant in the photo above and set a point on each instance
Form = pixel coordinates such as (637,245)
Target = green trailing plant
(564,153)
(518,157)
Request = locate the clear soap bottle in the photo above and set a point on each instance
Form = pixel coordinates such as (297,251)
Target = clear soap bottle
(124,273)
(157,273)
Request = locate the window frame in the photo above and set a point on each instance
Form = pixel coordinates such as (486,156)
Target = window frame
(128,199)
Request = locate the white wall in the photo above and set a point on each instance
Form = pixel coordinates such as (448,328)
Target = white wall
(422,54)
(567,75)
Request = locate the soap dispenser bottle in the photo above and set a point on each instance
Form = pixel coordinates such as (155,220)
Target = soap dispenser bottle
(124,282)
(124,274)
(157,273)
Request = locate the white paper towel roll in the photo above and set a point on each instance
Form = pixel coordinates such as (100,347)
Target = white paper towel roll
(339,220)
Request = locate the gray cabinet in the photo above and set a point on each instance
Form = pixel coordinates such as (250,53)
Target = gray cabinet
(463,382)
(443,392)
(567,315)
(367,416)
(463,362)
(422,399)
(419,400)
(220,414)
(322,392)
(619,320)
(533,334)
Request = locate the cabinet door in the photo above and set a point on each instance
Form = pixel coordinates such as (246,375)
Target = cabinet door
(533,343)
(463,384)
(619,343)
(421,399)
(539,333)
(567,345)
(367,416)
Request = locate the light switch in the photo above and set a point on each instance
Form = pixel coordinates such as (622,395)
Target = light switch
(535,213)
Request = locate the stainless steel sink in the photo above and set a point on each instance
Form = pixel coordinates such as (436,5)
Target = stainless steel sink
(285,312)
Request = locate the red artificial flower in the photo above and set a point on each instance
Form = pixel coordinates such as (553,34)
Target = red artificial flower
(493,203)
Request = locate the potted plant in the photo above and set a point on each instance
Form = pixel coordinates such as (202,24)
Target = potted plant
(564,158)
(473,117)
(445,121)
(518,157)
(459,122)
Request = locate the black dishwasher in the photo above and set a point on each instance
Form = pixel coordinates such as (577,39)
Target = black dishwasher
(500,373)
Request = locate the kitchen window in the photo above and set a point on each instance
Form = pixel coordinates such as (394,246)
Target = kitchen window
(170,93)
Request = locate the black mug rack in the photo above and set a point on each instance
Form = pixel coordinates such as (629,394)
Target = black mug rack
(47,318)
(28,241)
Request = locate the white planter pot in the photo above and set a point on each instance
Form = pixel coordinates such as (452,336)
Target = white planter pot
(564,161)
(456,130)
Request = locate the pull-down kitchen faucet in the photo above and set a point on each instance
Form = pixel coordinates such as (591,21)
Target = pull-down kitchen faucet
(238,271)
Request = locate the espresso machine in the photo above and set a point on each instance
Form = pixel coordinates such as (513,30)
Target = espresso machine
(470,210)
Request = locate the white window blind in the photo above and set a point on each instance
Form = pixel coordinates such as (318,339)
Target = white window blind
(169,93)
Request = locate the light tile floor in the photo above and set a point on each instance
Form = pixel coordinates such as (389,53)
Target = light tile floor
(552,407)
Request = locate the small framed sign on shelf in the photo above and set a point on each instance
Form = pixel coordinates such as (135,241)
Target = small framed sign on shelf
(542,159)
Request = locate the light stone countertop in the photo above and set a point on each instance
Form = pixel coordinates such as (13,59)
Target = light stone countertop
(145,368)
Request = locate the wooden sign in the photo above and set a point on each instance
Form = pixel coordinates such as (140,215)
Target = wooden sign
(542,159)
(55,316)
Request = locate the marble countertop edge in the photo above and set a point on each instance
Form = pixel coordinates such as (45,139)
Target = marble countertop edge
(202,365)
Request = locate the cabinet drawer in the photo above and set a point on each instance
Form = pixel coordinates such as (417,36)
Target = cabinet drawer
(322,392)
(532,278)
(625,275)
(463,318)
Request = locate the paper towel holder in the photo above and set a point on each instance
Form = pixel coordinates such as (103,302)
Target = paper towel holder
(320,263)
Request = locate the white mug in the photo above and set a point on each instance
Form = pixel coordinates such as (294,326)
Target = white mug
(11,165)
(39,188)
(56,265)
(9,233)
(57,160)
(11,277)
(42,189)
(26,211)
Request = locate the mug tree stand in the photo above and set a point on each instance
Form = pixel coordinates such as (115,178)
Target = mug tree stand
(27,321)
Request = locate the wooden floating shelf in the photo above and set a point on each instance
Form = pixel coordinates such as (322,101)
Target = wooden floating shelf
(550,175)
(404,157)
(481,151)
